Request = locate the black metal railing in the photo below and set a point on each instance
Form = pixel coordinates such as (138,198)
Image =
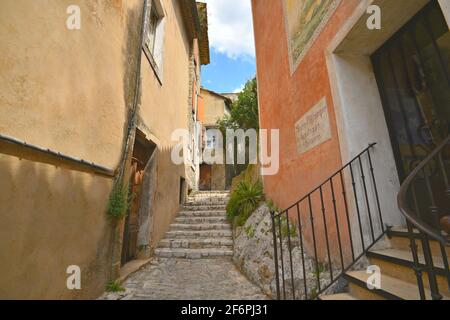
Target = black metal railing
(323,235)
(424,200)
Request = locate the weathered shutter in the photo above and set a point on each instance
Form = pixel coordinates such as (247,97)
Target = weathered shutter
(148,8)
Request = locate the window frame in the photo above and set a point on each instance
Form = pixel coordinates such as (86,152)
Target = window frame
(210,141)
(154,8)
(151,29)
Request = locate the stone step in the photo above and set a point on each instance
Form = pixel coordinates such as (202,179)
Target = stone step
(216,213)
(210,195)
(193,253)
(399,264)
(391,288)
(337,297)
(207,243)
(217,196)
(211,192)
(199,234)
(201,198)
(200,220)
(201,226)
(206,202)
(399,239)
(193,207)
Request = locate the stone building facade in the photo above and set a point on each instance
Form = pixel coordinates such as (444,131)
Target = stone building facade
(325,82)
(84,108)
(213,107)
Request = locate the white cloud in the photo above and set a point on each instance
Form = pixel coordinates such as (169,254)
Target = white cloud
(240,89)
(231,27)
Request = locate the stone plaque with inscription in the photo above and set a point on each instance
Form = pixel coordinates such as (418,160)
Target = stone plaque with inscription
(313,128)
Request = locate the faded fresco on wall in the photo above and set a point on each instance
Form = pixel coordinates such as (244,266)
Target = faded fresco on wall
(313,128)
(305,20)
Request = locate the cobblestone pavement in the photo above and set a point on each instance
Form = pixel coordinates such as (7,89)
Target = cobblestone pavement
(185,279)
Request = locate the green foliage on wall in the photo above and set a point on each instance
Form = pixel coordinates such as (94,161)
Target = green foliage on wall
(114,286)
(119,201)
(282,222)
(272,206)
(250,231)
(286,230)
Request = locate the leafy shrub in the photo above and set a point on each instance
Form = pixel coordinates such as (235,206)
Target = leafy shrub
(114,286)
(243,201)
(119,201)
(272,206)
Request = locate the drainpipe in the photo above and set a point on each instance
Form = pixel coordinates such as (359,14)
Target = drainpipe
(134,110)
(129,142)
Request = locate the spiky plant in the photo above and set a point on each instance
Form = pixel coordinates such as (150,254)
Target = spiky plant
(244,200)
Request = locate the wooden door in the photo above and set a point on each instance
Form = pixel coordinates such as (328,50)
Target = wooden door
(142,152)
(205,177)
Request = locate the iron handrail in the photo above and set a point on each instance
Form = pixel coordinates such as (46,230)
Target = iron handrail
(402,198)
(371,145)
(338,259)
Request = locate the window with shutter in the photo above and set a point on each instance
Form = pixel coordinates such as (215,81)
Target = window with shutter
(153,20)
(153,36)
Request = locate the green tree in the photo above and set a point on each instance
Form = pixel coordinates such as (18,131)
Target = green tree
(244,111)
(244,115)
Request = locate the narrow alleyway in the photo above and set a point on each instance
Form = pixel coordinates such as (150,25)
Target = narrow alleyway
(194,261)
(188,279)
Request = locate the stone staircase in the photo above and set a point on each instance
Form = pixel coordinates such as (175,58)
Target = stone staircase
(398,278)
(200,230)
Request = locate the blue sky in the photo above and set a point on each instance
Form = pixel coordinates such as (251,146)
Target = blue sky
(232,46)
(226,74)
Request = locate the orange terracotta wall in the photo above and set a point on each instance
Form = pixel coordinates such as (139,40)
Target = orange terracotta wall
(194,94)
(285,98)
(201,109)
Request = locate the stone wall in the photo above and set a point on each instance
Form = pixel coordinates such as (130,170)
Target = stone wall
(254,256)
(251,174)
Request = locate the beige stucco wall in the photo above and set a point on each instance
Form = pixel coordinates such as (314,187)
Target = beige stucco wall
(214,108)
(51,219)
(163,109)
(59,90)
(69,91)
(56,84)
